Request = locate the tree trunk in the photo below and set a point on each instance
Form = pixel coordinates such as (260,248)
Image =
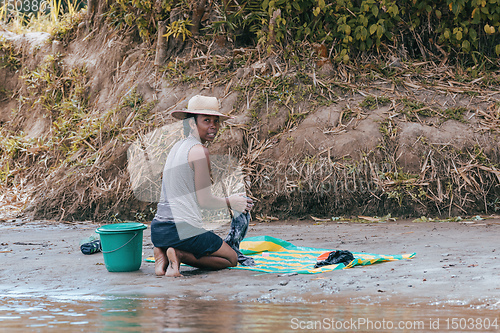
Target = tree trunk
(161,45)
(91,10)
(198,12)
(95,9)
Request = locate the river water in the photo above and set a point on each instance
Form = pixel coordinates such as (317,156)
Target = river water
(140,313)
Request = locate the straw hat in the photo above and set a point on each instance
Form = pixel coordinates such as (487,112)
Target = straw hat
(201,105)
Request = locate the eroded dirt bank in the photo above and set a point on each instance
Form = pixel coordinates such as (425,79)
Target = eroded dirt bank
(327,140)
(456,264)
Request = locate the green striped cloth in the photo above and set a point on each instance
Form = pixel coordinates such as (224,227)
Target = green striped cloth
(274,255)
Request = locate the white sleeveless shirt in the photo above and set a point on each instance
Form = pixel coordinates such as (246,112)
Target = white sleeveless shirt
(178,201)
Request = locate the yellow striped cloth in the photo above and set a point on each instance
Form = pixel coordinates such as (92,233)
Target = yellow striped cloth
(274,255)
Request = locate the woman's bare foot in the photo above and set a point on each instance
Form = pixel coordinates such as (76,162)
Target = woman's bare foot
(173,263)
(161,261)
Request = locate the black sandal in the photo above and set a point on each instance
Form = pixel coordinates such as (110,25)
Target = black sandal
(91,247)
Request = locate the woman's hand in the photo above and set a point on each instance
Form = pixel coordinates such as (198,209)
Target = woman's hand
(240,203)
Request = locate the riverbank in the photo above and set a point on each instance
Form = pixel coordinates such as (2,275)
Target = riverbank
(455,264)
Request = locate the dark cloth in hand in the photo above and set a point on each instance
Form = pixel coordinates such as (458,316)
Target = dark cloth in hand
(239,227)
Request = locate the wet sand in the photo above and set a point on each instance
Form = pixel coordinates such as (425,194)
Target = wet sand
(456,264)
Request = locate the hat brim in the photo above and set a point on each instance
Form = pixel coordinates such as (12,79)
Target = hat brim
(182,114)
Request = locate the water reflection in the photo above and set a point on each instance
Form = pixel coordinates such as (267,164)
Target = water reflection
(193,314)
(123,313)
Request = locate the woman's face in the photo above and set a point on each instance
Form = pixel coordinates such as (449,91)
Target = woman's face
(206,126)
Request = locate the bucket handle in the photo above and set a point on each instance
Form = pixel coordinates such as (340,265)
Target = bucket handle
(122,245)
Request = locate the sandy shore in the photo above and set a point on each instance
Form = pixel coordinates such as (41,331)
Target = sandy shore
(456,263)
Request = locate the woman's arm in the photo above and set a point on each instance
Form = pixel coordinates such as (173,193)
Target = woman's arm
(199,161)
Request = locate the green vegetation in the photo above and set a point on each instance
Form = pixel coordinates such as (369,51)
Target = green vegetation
(403,186)
(66,27)
(411,105)
(179,28)
(175,72)
(455,113)
(346,115)
(78,131)
(140,15)
(55,88)
(414,109)
(278,92)
(373,102)
(59,17)
(424,28)
(9,57)
(388,129)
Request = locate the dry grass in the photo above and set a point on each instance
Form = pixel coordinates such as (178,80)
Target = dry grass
(46,19)
(448,181)
(14,200)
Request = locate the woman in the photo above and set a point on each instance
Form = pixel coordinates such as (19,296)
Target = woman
(176,230)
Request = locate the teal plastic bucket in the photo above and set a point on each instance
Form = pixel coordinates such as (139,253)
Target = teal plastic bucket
(121,245)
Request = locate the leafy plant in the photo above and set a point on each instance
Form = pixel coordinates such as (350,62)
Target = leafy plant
(40,15)
(178,28)
(65,29)
(242,22)
(9,56)
(142,15)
